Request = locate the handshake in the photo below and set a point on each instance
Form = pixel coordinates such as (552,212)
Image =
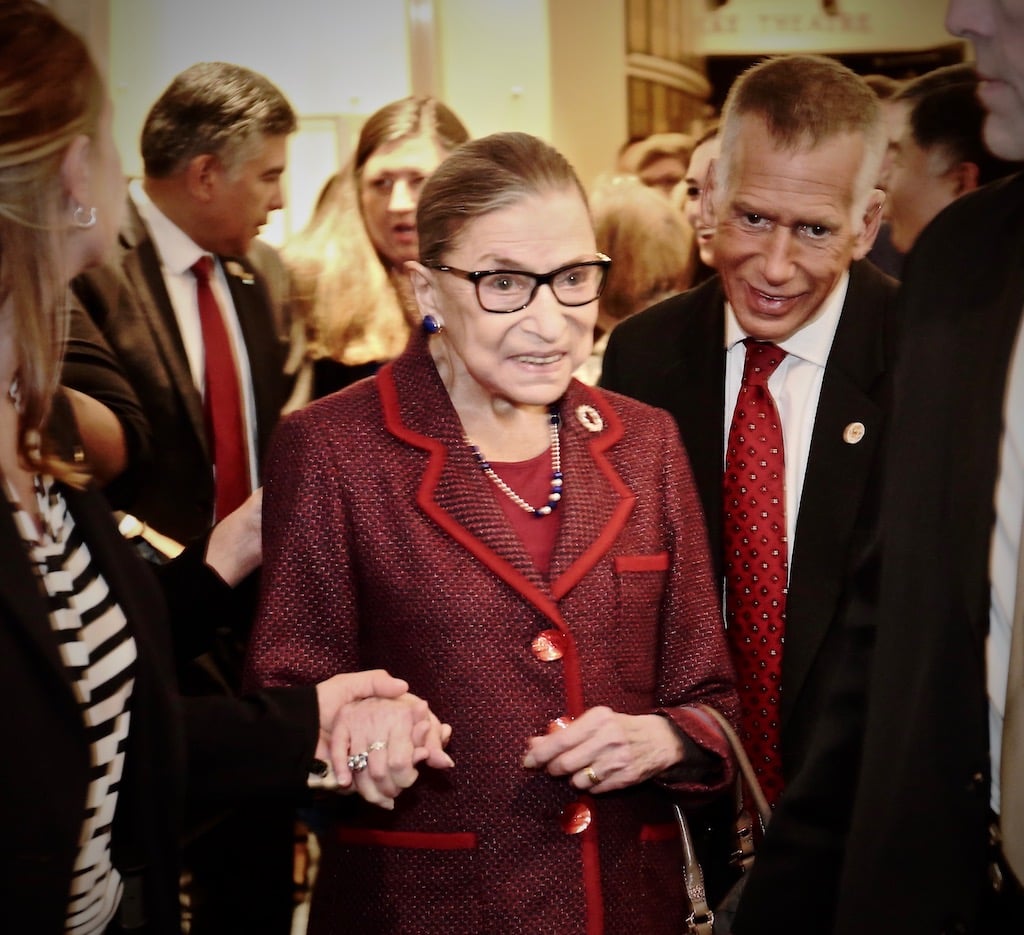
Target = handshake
(373,736)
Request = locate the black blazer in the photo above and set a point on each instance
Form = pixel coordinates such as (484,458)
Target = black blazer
(914,859)
(673,356)
(128,302)
(236,749)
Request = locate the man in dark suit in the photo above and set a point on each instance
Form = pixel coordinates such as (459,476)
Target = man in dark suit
(191,324)
(931,836)
(213,168)
(794,208)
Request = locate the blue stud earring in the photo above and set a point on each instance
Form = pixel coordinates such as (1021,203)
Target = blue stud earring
(431,325)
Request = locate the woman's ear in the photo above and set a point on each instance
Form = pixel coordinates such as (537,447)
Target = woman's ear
(75,171)
(425,289)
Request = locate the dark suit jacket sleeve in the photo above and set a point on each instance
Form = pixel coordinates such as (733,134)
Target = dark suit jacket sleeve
(92,368)
(238,747)
(199,602)
(258,745)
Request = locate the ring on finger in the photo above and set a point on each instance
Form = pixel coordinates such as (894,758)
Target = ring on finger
(357,761)
(591,775)
(377,745)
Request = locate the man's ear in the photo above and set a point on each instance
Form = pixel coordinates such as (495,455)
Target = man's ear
(871,223)
(965,177)
(425,289)
(201,175)
(76,171)
(707,197)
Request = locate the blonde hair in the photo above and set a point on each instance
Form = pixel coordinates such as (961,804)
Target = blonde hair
(50,93)
(655,147)
(344,296)
(354,308)
(649,241)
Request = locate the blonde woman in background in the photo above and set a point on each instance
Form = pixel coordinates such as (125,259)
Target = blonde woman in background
(653,250)
(351,303)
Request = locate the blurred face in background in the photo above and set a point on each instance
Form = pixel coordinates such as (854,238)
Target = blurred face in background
(896,115)
(696,177)
(663,174)
(919,183)
(244,196)
(996,30)
(389,190)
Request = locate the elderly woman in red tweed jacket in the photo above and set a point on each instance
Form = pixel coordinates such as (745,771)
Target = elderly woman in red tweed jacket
(529,553)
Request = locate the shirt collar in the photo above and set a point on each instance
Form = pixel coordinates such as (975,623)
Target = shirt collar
(178,252)
(813,341)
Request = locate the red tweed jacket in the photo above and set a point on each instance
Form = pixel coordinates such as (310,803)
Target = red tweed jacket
(385,546)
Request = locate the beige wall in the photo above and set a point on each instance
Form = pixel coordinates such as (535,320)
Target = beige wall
(495,64)
(588,85)
(555,68)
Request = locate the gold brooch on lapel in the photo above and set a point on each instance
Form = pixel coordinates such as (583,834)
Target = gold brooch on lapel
(589,418)
(234,268)
(853,433)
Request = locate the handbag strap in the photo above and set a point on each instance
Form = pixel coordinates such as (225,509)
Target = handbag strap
(750,780)
(701,919)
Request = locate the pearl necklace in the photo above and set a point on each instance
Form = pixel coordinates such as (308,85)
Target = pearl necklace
(556,471)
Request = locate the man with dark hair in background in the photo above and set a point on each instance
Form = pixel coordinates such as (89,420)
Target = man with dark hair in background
(939,154)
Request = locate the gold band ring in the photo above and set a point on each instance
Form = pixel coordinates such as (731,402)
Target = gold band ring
(592,776)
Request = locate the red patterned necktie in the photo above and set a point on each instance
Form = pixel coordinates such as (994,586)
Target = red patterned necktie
(756,560)
(223,399)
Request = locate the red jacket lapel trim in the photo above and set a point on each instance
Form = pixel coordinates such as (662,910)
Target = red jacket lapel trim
(425,498)
(599,444)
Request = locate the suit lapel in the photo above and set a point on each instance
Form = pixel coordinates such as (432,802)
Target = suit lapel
(847,430)
(265,353)
(597,502)
(695,395)
(141,265)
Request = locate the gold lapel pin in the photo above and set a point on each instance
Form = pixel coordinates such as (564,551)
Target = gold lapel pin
(234,268)
(853,433)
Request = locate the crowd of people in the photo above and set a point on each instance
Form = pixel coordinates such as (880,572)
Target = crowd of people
(439,529)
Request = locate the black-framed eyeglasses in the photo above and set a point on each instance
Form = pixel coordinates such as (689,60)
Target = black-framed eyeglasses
(510,290)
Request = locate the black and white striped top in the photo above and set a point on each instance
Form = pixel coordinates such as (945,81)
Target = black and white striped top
(99,653)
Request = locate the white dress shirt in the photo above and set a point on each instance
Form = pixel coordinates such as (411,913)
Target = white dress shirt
(1009,505)
(795,386)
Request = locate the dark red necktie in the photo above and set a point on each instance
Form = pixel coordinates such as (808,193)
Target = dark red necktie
(223,399)
(756,560)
